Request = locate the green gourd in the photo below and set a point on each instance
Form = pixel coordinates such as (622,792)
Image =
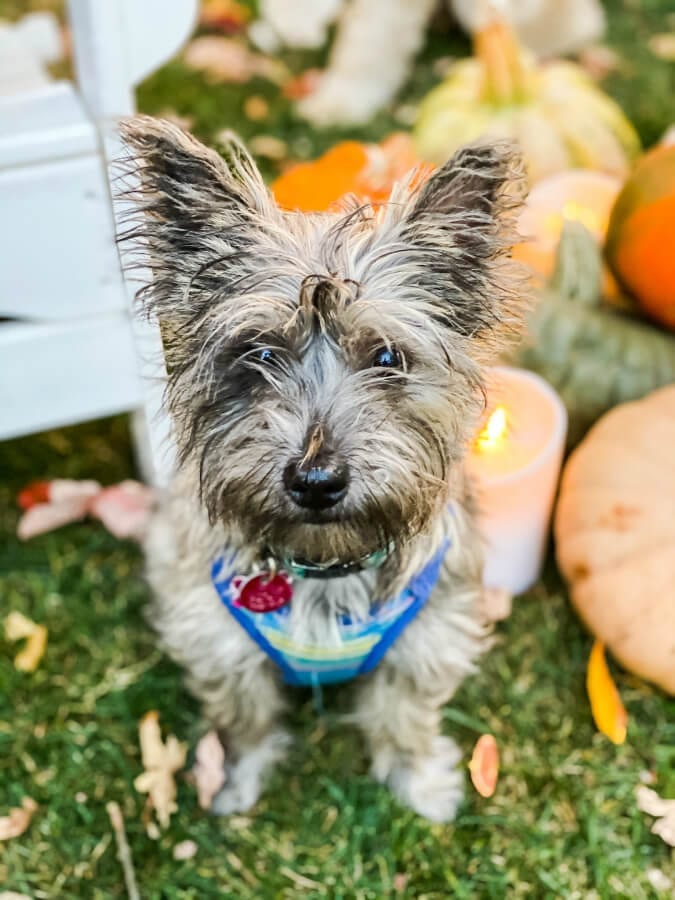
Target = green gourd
(594,355)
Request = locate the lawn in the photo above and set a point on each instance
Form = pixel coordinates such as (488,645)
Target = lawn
(563,822)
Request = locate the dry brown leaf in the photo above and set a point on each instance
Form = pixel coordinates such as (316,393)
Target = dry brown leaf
(256,108)
(160,761)
(17,627)
(209,768)
(599,60)
(50,505)
(125,508)
(171,115)
(184,850)
(224,59)
(302,85)
(663,46)
(608,711)
(268,146)
(484,765)
(17,820)
(663,810)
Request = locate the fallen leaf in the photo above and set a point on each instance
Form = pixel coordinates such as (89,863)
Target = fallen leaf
(184,850)
(608,711)
(268,146)
(224,59)
(400,881)
(124,509)
(67,501)
(663,46)
(495,605)
(658,880)
(17,627)
(160,762)
(18,819)
(599,60)
(302,85)
(224,15)
(209,768)
(256,108)
(484,765)
(648,801)
(406,114)
(170,115)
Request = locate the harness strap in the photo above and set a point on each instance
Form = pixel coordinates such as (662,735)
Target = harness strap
(365,643)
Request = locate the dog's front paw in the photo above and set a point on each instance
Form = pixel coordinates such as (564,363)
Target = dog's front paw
(245,778)
(432,786)
(236,796)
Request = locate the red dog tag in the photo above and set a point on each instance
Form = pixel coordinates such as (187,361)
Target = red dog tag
(262,593)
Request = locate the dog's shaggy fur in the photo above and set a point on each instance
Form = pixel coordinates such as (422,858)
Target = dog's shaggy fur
(272,323)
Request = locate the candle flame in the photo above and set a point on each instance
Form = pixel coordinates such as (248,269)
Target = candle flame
(494,430)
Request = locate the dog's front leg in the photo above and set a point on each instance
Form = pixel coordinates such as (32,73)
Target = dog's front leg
(399,708)
(245,707)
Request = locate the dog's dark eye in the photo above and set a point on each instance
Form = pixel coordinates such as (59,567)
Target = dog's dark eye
(387,358)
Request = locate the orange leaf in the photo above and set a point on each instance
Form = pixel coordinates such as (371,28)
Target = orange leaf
(36,492)
(608,711)
(484,765)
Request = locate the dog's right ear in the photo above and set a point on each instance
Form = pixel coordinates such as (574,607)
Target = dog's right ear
(183,207)
(188,186)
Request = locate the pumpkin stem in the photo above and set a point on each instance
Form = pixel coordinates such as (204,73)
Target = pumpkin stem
(578,268)
(505,72)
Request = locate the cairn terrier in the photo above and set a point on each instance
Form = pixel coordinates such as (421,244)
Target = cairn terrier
(324,379)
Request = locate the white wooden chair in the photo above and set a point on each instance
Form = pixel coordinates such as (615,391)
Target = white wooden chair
(70,349)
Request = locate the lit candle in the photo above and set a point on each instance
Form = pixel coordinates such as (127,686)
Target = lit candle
(515,464)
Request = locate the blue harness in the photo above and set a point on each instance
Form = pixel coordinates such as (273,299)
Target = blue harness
(362,643)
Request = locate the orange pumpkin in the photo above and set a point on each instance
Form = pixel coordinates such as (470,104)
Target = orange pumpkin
(615,534)
(367,170)
(640,236)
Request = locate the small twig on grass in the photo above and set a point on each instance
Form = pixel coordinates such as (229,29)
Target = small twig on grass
(123,851)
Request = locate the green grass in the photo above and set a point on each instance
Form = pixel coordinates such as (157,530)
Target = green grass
(563,822)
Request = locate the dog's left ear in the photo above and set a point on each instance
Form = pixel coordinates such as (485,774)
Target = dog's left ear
(461,226)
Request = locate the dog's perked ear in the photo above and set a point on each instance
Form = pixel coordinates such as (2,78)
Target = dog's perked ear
(461,227)
(183,206)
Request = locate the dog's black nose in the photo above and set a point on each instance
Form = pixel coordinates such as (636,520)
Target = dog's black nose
(316,487)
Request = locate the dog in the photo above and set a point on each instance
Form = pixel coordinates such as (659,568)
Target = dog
(377,40)
(324,379)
